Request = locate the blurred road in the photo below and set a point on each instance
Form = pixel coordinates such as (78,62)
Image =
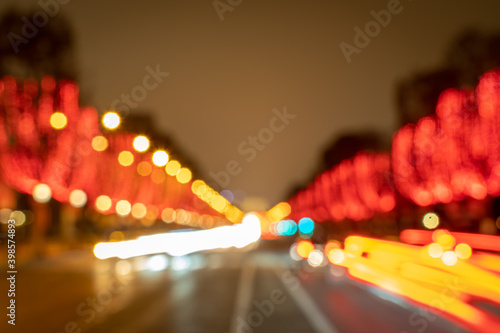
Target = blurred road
(229,291)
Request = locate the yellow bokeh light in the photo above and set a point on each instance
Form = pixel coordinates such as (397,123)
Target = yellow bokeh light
(103,203)
(144,168)
(463,251)
(234,215)
(141,143)
(183,176)
(279,212)
(207,193)
(111,120)
(172,167)
(449,258)
(160,158)
(125,158)
(58,120)
(77,198)
(123,207)
(139,210)
(219,203)
(196,186)
(336,256)
(168,215)
(181,216)
(435,250)
(99,143)
(304,248)
(42,193)
(18,216)
(430,221)
(447,241)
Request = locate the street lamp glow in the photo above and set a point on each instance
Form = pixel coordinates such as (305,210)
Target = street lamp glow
(430,220)
(123,207)
(125,158)
(58,120)
(42,193)
(111,120)
(77,198)
(139,210)
(99,143)
(160,158)
(184,175)
(141,143)
(103,203)
(172,168)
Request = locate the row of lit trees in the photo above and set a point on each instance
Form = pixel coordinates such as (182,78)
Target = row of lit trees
(449,156)
(51,148)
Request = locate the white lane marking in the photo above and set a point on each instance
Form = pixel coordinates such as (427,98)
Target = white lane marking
(309,308)
(244,295)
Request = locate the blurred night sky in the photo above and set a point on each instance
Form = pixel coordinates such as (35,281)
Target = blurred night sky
(227,76)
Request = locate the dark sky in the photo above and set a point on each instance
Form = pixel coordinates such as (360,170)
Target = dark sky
(226,77)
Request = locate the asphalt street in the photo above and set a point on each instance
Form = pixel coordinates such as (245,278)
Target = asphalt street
(222,291)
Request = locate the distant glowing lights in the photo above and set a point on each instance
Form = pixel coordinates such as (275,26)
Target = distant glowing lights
(160,158)
(125,158)
(184,175)
(449,258)
(103,203)
(336,256)
(139,210)
(463,251)
(172,168)
(141,143)
(42,193)
(315,258)
(123,207)
(306,225)
(77,198)
(446,240)
(435,250)
(18,216)
(430,221)
(168,215)
(184,242)
(304,248)
(285,228)
(99,143)
(157,263)
(111,120)
(58,120)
